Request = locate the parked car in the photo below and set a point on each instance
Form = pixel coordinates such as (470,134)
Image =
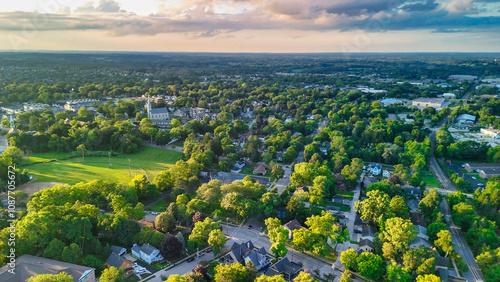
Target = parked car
(480,184)
(473,178)
(357,231)
(190,259)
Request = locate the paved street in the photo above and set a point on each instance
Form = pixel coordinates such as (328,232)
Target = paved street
(350,226)
(461,247)
(244,234)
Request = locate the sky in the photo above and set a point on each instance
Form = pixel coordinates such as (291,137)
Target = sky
(272,26)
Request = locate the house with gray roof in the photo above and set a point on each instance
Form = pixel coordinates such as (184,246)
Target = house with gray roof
(419,243)
(147,253)
(27,266)
(245,252)
(117,261)
(291,226)
(118,250)
(288,269)
(368,232)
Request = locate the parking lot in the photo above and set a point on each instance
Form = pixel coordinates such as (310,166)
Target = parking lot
(474,182)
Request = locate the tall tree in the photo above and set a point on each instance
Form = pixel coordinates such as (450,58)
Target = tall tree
(170,247)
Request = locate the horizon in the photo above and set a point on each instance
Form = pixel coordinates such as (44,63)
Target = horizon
(252,26)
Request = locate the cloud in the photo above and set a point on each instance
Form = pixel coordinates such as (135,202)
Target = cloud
(104,6)
(199,18)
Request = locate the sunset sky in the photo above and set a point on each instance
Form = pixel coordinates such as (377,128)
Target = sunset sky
(251,25)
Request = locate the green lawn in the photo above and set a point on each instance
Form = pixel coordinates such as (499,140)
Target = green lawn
(346,194)
(158,207)
(71,171)
(430,180)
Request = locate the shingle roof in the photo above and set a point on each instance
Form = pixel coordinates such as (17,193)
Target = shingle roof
(366,242)
(118,250)
(148,249)
(283,266)
(115,260)
(369,231)
(28,266)
(293,225)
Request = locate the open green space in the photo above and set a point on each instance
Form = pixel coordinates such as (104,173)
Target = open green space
(159,206)
(148,160)
(346,194)
(430,180)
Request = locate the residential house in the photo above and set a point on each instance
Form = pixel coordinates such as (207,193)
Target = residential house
(413,205)
(368,232)
(462,77)
(358,223)
(118,250)
(147,253)
(342,219)
(245,252)
(418,219)
(387,173)
(338,199)
(377,169)
(27,266)
(333,209)
(286,268)
(291,226)
(366,245)
(325,147)
(260,169)
(448,275)
(181,113)
(418,243)
(442,262)
(413,191)
(119,262)
(422,232)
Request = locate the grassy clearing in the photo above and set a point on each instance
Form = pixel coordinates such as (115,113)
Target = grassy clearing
(72,171)
(430,180)
(346,194)
(158,207)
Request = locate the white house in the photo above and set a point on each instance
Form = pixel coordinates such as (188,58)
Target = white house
(466,118)
(366,245)
(147,253)
(377,169)
(449,95)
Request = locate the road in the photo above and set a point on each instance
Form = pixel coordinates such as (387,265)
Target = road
(243,234)
(461,247)
(350,226)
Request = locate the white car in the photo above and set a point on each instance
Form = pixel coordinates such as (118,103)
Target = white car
(473,177)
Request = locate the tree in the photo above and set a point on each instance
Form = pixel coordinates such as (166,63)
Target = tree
(376,207)
(176,278)
(303,239)
(54,250)
(60,277)
(198,216)
(428,278)
(275,278)
(399,233)
(277,171)
(201,231)
(396,273)
(72,253)
(428,206)
(164,181)
(348,258)
(216,240)
(144,189)
(165,222)
(323,226)
(112,274)
(399,207)
(371,266)
(346,276)
(170,247)
(444,242)
(427,266)
(303,277)
(434,228)
(234,272)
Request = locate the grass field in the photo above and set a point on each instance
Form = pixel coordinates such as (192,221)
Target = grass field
(71,171)
(430,180)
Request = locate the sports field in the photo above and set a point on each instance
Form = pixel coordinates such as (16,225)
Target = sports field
(148,160)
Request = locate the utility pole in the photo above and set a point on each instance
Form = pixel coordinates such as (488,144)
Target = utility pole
(129,173)
(197,256)
(109,159)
